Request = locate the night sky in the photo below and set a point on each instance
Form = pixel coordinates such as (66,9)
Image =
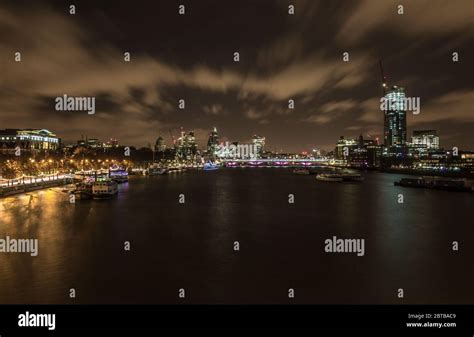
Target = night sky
(282,57)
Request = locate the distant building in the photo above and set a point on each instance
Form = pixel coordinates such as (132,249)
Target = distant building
(259,143)
(160,145)
(213,142)
(374,153)
(112,142)
(93,143)
(465,160)
(28,139)
(366,154)
(186,146)
(89,142)
(425,140)
(395,120)
(445,161)
(344,147)
(316,152)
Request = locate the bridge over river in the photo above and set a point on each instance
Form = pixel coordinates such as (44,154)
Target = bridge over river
(278,162)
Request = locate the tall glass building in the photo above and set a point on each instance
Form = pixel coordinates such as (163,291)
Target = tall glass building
(395,119)
(213,142)
(186,146)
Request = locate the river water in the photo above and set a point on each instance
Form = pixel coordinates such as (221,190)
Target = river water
(191,245)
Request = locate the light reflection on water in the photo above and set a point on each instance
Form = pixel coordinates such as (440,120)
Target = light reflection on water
(282,245)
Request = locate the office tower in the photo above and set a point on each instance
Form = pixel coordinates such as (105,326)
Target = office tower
(213,142)
(395,119)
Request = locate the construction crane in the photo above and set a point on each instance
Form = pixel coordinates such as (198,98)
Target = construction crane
(384,79)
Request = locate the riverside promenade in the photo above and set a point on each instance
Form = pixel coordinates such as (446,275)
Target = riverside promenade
(26,184)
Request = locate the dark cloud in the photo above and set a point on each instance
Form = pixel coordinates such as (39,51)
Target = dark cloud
(191,57)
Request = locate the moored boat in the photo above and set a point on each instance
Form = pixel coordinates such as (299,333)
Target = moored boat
(83,191)
(92,175)
(153,171)
(175,170)
(209,166)
(104,189)
(437,183)
(118,175)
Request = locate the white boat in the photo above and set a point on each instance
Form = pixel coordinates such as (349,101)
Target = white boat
(83,191)
(104,189)
(329,177)
(152,171)
(210,166)
(175,170)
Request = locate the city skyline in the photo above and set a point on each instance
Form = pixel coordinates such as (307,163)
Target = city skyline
(137,101)
(239,155)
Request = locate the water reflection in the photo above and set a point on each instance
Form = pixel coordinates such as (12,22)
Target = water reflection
(282,244)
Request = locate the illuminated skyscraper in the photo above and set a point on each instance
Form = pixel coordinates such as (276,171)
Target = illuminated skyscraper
(186,146)
(395,119)
(213,142)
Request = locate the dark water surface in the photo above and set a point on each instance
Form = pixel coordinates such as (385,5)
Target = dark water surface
(191,245)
